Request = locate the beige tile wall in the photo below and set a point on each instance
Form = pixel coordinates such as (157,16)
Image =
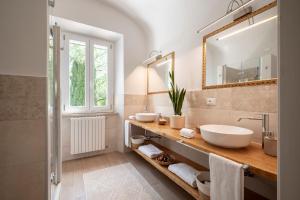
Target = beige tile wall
(134,104)
(232,103)
(23,132)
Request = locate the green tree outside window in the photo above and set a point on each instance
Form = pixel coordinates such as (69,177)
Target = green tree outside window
(77,73)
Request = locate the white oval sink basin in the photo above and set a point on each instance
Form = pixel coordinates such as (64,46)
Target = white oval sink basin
(145,117)
(226,136)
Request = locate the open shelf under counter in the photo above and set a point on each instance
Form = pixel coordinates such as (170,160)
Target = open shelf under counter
(259,163)
(164,169)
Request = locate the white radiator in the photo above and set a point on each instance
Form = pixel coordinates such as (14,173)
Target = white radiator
(87,134)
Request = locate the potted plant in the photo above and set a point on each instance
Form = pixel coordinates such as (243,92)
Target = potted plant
(176,95)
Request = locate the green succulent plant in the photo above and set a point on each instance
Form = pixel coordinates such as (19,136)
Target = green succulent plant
(176,95)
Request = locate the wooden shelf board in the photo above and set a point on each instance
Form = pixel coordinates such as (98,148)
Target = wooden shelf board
(259,163)
(164,169)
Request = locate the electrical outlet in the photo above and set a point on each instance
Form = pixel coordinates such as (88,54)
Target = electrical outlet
(211,101)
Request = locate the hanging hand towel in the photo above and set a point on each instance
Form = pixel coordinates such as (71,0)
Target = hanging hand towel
(227,179)
(127,133)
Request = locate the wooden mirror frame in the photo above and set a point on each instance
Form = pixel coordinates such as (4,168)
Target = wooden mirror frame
(172,54)
(227,85)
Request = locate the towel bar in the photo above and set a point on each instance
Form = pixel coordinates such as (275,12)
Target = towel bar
(182,142)
(247,172)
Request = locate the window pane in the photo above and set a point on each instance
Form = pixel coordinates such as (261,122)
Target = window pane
(100,75)
(77,68)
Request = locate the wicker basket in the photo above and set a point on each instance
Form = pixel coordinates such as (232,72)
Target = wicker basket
(137,141)
(172,161)
(135,146)
(203,188)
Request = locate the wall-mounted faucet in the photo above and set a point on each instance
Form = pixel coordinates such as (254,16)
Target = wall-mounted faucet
(265,124)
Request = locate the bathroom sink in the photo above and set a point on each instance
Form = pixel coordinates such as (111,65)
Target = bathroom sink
(145,117)
(226,136)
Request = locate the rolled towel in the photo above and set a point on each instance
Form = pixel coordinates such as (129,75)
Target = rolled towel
(187,173)
(187,133)
(150,150)
(132,117)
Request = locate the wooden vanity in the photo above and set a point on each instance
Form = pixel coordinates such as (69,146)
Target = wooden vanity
(259,163)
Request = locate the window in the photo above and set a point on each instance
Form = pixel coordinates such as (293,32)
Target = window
(89,74)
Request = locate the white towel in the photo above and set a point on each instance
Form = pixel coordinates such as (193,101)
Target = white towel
(187,133)
(127,133)
(132,117)
(150,150)
(187,173)
(227,179)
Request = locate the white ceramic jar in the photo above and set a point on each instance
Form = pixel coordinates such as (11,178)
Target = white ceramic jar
(177,121)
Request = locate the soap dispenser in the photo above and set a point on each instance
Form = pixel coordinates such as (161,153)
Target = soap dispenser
(161,120)
(270,144)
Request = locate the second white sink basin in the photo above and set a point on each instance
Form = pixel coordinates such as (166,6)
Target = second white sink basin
(145,117)
(226,136)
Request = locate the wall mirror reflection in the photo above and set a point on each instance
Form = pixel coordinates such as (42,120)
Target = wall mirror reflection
(158,74)
(243,52)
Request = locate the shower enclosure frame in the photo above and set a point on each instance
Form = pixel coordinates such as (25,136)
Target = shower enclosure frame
(54,108)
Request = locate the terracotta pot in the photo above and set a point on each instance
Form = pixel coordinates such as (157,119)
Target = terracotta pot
(177,121)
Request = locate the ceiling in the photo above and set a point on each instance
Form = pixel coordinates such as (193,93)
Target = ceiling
(168,21)
(169,24)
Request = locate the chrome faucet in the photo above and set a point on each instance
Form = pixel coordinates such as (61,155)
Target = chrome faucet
(265,124)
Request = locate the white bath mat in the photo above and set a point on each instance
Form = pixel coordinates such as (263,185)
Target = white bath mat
(121,182)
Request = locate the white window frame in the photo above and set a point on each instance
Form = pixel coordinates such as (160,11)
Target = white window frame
(110,72)
(89,76)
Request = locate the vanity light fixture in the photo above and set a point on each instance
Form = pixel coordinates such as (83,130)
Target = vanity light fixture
(157,55)
(51,3)
(226,15)
(247,28)
(163,63)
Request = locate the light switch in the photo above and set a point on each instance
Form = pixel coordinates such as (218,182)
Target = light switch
(211,101)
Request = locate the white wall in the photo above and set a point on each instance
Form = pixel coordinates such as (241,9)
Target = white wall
(172,26)
(113,128)
(96,13)
(188,74)
(130,51)
(119,92)
(177,32)
(289,159)
(23,37)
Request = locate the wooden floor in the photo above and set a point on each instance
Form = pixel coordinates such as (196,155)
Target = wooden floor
(72,177)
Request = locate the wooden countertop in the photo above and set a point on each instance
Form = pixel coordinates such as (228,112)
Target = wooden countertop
(253,155)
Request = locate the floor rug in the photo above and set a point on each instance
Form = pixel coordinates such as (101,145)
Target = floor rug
(121,182)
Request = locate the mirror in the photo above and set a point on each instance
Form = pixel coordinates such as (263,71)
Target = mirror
(243,52)
(158,74)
